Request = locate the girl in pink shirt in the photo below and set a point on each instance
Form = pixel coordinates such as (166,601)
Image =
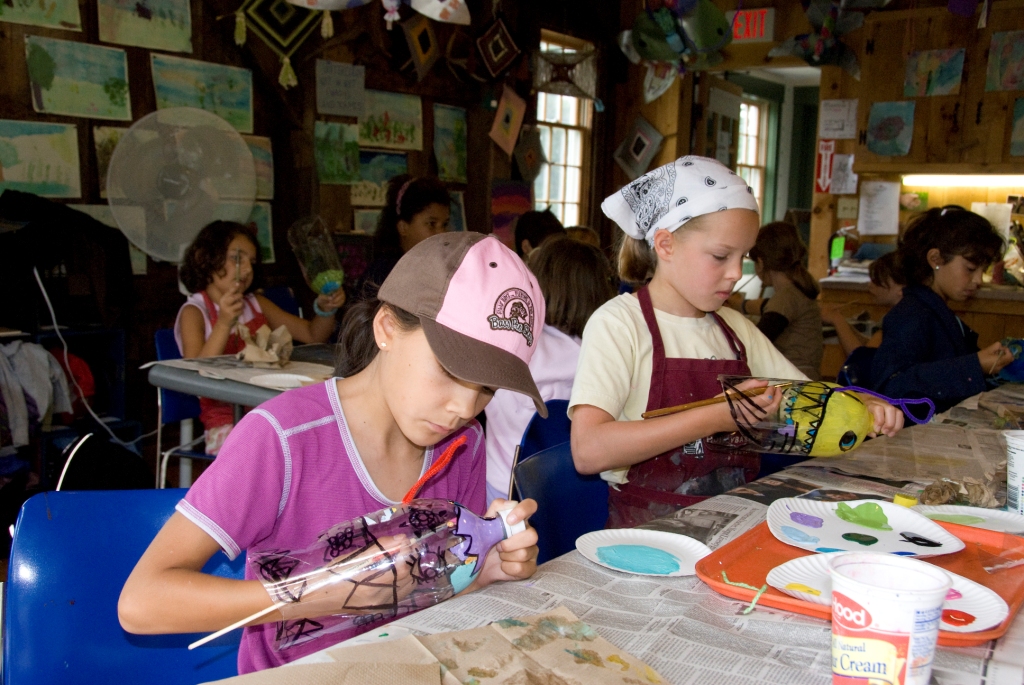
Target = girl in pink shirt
(458,318)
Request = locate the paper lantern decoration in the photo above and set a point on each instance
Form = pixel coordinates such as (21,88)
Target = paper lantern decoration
(283,26)
(822,46)
(566,73)
(448,11)
(497,48)
(422,44)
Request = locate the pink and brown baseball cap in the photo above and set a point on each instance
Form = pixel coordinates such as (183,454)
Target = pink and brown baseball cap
(480,307)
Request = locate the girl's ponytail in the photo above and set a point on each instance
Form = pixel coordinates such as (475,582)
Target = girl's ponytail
(637,260)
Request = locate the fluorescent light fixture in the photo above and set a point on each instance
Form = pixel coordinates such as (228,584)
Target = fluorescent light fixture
(963,181)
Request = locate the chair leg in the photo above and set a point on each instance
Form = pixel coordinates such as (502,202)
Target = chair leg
(159,435)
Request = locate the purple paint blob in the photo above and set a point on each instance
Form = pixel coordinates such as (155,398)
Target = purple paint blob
(953,594)
(806,519)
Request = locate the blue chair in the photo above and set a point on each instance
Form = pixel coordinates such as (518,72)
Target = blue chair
(283,297)
(568,504)
(856,369)
(174,407)
(542,433)
(70,557)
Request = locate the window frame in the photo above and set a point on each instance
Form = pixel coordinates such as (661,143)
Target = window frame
(764,114)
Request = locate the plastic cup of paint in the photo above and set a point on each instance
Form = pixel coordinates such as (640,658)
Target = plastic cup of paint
(886,611)
(1014,471)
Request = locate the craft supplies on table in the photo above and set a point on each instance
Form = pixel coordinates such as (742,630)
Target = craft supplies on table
(643,552)
(975,517)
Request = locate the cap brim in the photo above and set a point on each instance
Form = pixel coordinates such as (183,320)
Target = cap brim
(478,362)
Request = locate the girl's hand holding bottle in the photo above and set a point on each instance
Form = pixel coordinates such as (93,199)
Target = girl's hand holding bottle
(230,307)
(332,302)
(516,557)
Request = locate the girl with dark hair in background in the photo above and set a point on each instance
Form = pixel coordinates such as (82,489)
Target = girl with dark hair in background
(926,350)
(533,228)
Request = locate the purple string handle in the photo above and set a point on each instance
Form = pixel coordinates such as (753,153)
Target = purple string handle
(902,404)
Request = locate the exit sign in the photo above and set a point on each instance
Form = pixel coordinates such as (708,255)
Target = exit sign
(753,26)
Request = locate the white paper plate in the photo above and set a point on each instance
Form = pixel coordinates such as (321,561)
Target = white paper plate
(643,552)
(969,607)
(280,381)
(976,517)
(815,526)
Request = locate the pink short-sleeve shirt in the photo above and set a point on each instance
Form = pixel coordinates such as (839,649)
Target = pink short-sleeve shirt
(289,471)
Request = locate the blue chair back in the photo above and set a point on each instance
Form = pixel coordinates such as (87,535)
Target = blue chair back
(70,557)
(857,368)
(568,504)
(540,433)
(177,406)
(283,297)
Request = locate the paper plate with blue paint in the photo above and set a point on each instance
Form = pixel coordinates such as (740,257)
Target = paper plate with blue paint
(975,517)
(969,606)
(858,526)
(643,552)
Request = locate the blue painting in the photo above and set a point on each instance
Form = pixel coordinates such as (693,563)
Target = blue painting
(376,168)
(891,128)
(39,158)
(934,72)
(217,88)
(1017,133)
(77,79)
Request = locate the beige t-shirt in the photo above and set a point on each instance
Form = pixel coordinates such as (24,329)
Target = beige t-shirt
(801,341)
(614,369)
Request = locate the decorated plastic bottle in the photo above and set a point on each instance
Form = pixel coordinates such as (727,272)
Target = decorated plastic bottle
(318,258)
(378,567)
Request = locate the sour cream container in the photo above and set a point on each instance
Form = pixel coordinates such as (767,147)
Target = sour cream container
(886,611)
(1014,471)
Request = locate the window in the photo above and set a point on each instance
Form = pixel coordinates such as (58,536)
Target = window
(564,125)
(752,157)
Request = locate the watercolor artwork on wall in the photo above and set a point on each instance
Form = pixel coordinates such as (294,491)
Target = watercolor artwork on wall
(157,24)
(55,14)
(365,220)
(457,223)
(891,128)
(105,140)
(262,219)
(39,158)
(392,120)
(1005,61)
(263,160)
(223,90)
(337,152)
(934,72)
(1017,134)
(77,79)
(376,168)
(450,143)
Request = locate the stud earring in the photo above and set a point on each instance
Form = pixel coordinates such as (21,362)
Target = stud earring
(936,268)
(383,345)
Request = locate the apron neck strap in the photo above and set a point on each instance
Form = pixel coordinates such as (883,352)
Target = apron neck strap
(647,308)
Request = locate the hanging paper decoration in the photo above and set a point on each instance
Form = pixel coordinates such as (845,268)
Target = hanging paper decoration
(566,73)
(283,32)
(529,154)
(391,11)
(658,79)
(497,48)
(448,11)
(636,152)
(422,44)
(508,120)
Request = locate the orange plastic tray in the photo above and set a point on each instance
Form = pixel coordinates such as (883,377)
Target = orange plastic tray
(750,557)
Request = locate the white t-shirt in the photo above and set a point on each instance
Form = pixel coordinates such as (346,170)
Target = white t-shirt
(614,370)
(553,367)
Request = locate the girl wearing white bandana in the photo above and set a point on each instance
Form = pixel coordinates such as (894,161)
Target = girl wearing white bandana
(668,343)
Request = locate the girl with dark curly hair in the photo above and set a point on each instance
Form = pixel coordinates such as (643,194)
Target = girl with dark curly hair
(220,269)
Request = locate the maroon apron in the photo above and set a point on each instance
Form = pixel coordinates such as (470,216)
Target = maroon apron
(691,473)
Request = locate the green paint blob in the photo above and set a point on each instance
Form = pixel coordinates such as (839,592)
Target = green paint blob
(962,519)
(860,538)
(638,559)
(512,623)
(868,514)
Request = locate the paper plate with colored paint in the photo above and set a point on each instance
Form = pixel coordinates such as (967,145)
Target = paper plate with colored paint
(644,552)
(858,526)
(969,607)
(976,517)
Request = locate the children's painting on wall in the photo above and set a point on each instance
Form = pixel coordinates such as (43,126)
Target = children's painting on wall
(392,120)
(1005,62)
(262,219)
(105,139)
(1017,134)
(365,220)
(891,128)
(934,72)
(450,143)
(156,24)
(77,79)
(337,152)
(457,222)
(56,14)
(39,158)
(509,201)
(217,88)
(376,168)
(263,160)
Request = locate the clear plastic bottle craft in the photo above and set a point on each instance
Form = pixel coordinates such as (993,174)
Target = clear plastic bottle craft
(318,258)
(378,567)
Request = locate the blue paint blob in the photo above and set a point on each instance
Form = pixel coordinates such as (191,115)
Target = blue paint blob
(826,550)
(798,535)
(638,559)
(905,554)
(806,519)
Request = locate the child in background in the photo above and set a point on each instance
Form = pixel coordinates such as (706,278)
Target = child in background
(790,318)
(687,228)
(576,280)
(584,234)
(219,269)
(926,350)
(533,228)
(416,208)
(421,362)
(885,287)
